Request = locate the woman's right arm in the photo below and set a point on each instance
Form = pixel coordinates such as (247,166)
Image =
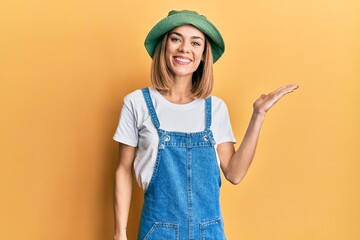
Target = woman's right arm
(123,189)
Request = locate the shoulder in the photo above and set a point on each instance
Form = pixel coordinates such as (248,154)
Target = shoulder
(134,105)
(133,96)
(217,100)
(218,104)
(134,102)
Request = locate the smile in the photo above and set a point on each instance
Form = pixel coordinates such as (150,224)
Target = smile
(182,60)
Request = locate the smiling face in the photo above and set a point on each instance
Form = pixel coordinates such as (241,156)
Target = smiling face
(184,50)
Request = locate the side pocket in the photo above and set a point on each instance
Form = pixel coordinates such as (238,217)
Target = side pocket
(161,230)
(212,230)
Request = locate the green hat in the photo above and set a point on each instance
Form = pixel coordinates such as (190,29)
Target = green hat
(179,18)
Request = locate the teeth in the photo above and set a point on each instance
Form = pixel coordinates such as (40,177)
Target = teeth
(183,60)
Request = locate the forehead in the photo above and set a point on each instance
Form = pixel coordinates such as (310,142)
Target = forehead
(188,30)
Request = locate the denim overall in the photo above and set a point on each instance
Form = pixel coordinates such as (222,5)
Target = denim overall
(182,198)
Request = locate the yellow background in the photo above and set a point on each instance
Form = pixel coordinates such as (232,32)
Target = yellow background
(66,65)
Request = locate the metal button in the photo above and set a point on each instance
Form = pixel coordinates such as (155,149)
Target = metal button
(167,138)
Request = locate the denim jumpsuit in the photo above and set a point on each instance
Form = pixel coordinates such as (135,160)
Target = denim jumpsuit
(182,198)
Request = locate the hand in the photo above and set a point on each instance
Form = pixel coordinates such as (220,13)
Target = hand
(265,102)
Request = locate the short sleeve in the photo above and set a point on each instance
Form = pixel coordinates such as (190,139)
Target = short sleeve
(127,132)
(222,130)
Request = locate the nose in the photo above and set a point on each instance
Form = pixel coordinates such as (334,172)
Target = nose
(184,47)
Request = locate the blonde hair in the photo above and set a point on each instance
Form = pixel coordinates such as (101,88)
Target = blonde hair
(202,79)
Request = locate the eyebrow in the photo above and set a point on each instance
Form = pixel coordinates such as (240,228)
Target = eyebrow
(192,37)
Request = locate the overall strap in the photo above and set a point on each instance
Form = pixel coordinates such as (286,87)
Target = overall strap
(150,107)
(208,113)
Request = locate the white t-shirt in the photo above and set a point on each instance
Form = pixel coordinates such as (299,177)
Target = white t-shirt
(136,129)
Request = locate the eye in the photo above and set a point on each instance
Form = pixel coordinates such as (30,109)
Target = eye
(197,44)
(175,39)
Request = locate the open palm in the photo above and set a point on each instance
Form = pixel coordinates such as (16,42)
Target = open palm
(266,101)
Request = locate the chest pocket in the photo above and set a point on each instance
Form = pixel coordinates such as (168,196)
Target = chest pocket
(160,230)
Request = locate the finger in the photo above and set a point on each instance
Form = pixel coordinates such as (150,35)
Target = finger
(280,92)
(283,92)
(280,89)
(287,89)
(290,89)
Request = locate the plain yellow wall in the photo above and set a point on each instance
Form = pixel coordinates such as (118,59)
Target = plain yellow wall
(66,65)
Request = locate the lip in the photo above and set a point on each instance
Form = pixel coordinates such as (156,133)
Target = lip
(182,60)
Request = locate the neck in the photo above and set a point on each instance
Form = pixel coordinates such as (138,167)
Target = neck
(180,90)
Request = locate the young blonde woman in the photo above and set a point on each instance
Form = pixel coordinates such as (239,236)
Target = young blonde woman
(178,137)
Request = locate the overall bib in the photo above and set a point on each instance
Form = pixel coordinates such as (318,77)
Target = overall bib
(182,198)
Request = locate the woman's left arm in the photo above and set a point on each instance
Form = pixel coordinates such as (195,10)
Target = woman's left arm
(235,164)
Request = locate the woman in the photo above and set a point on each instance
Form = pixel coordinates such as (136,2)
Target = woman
(177,137)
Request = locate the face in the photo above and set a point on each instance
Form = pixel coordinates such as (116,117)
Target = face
(184,50)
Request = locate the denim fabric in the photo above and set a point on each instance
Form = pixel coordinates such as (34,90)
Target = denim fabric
(182,199)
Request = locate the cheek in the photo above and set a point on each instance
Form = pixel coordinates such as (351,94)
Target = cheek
(200,55)
(170,46)
(168,51)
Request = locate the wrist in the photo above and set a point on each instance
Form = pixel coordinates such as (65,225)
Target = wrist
(120,231)
(121,234)
(258,115)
